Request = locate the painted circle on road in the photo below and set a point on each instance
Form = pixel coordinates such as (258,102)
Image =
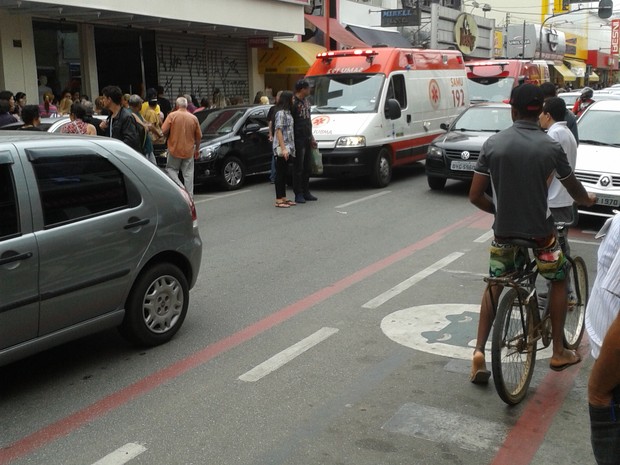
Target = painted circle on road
(441,329)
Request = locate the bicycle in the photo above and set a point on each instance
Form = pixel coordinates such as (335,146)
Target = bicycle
(522,319)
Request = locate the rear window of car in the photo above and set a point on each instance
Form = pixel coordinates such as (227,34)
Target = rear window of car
(77,185)
(9,221)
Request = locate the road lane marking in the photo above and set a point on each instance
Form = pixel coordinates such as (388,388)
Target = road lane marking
(363,199)
(577,241)
(485,237)
(406,284)
(66,425)
(223,196)
(122,455)
(282,358)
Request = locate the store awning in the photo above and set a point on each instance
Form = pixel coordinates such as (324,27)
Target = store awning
(380,37)
(337,32)
(577,67)
(566,73)
(593,77)
(288,57)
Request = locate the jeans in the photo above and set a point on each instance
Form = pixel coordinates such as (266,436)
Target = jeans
(272,173)
(186,166)
(605,431)
(302,167)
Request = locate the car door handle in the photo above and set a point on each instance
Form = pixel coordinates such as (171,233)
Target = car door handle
(135,222)
(11,256)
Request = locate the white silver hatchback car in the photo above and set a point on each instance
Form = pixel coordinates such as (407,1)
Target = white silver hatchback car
(92,236)
(598,156)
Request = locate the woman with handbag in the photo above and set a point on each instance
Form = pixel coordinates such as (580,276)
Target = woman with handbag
(283,146)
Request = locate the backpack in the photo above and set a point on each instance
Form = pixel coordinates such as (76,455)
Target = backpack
(142,133)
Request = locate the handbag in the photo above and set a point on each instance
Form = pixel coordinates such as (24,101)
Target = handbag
(316,162)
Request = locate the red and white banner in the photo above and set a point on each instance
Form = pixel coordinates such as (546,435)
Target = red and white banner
(615,36)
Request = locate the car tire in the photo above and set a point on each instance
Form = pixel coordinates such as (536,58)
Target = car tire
(436,183)
(382,170)
(156,306)
(232,174)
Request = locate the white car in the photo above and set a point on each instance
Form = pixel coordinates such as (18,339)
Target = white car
(598,156)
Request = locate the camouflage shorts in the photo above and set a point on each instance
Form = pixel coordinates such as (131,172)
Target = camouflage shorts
(506,258)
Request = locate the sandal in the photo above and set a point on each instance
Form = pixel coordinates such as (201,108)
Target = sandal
(282,205)
(289,202)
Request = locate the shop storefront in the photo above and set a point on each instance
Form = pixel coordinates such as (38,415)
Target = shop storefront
(603,68)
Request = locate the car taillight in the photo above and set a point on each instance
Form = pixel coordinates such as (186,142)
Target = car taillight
(191,205)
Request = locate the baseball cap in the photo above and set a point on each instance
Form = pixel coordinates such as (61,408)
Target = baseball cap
(301,84)
(153,100)
(527,97)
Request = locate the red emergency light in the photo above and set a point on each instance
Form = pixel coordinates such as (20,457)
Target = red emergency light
(328,56)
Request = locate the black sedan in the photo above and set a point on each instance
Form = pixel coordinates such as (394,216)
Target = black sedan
(453,155)
(235,143)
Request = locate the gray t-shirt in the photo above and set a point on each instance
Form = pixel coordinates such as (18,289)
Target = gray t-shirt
(519,161)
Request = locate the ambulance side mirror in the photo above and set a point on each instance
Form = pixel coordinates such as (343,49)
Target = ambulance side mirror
(392,109)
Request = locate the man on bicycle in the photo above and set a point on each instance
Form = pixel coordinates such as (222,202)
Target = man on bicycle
(518,163)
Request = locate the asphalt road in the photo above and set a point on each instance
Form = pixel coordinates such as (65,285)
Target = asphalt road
(335,332)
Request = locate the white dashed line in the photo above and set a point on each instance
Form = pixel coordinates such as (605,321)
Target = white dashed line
(383,298)
(282,358)
(485,237)
(122,455)
(223,196)
(363,199)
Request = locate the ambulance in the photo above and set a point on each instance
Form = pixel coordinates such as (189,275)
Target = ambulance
(378,108)
(493,80)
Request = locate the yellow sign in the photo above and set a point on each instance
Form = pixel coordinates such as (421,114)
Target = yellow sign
(498,44)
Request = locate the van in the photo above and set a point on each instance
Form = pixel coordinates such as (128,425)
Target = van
(379,108)
(493,80)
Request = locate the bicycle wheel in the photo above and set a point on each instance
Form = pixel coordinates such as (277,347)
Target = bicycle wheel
(577,300)
(513,347)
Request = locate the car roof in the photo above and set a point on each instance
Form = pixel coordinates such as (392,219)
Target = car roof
(605,105)
(490,105)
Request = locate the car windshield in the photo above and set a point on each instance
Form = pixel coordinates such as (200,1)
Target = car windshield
(490,89)
(347,93)
(485,119)
(221,122)
(600,127)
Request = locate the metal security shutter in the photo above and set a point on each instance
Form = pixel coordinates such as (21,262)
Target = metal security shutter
(196,65)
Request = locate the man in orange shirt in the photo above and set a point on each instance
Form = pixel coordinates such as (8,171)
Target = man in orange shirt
(184,135)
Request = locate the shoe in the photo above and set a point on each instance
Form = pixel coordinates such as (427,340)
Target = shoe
(310,197)
(479,372)
(299,198)
(280,204)
(290,203)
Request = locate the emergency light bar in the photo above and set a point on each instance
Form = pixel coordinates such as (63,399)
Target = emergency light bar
(346,53)
(501,64)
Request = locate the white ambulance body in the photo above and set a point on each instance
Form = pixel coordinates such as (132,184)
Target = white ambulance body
(375,109)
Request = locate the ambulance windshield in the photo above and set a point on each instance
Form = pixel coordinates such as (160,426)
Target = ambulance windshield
(347,93)
(490,89)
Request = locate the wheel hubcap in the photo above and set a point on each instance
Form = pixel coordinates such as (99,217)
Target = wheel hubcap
(232,174)
(163,304)
(384,168)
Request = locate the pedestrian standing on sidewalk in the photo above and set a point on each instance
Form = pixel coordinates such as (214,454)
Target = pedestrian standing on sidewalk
(184,135)
(603,325)
(283,146)
(135,105)
(304,143)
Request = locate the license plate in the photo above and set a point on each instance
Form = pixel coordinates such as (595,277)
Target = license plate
(458,165)
(607,201)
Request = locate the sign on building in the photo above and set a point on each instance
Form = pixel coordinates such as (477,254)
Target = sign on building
(615,36)
(401,17)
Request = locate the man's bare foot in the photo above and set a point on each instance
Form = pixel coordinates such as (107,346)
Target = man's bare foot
(567,359)
(479,372)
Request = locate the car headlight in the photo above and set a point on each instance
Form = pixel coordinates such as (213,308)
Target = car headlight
(208,152)
(351,141)
(434,152)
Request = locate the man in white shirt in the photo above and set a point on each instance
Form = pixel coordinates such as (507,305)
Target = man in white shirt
(603,326)
(559,200)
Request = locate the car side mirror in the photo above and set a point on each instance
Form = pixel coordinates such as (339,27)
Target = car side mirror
(444,126)
(392,109)
(251,127)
